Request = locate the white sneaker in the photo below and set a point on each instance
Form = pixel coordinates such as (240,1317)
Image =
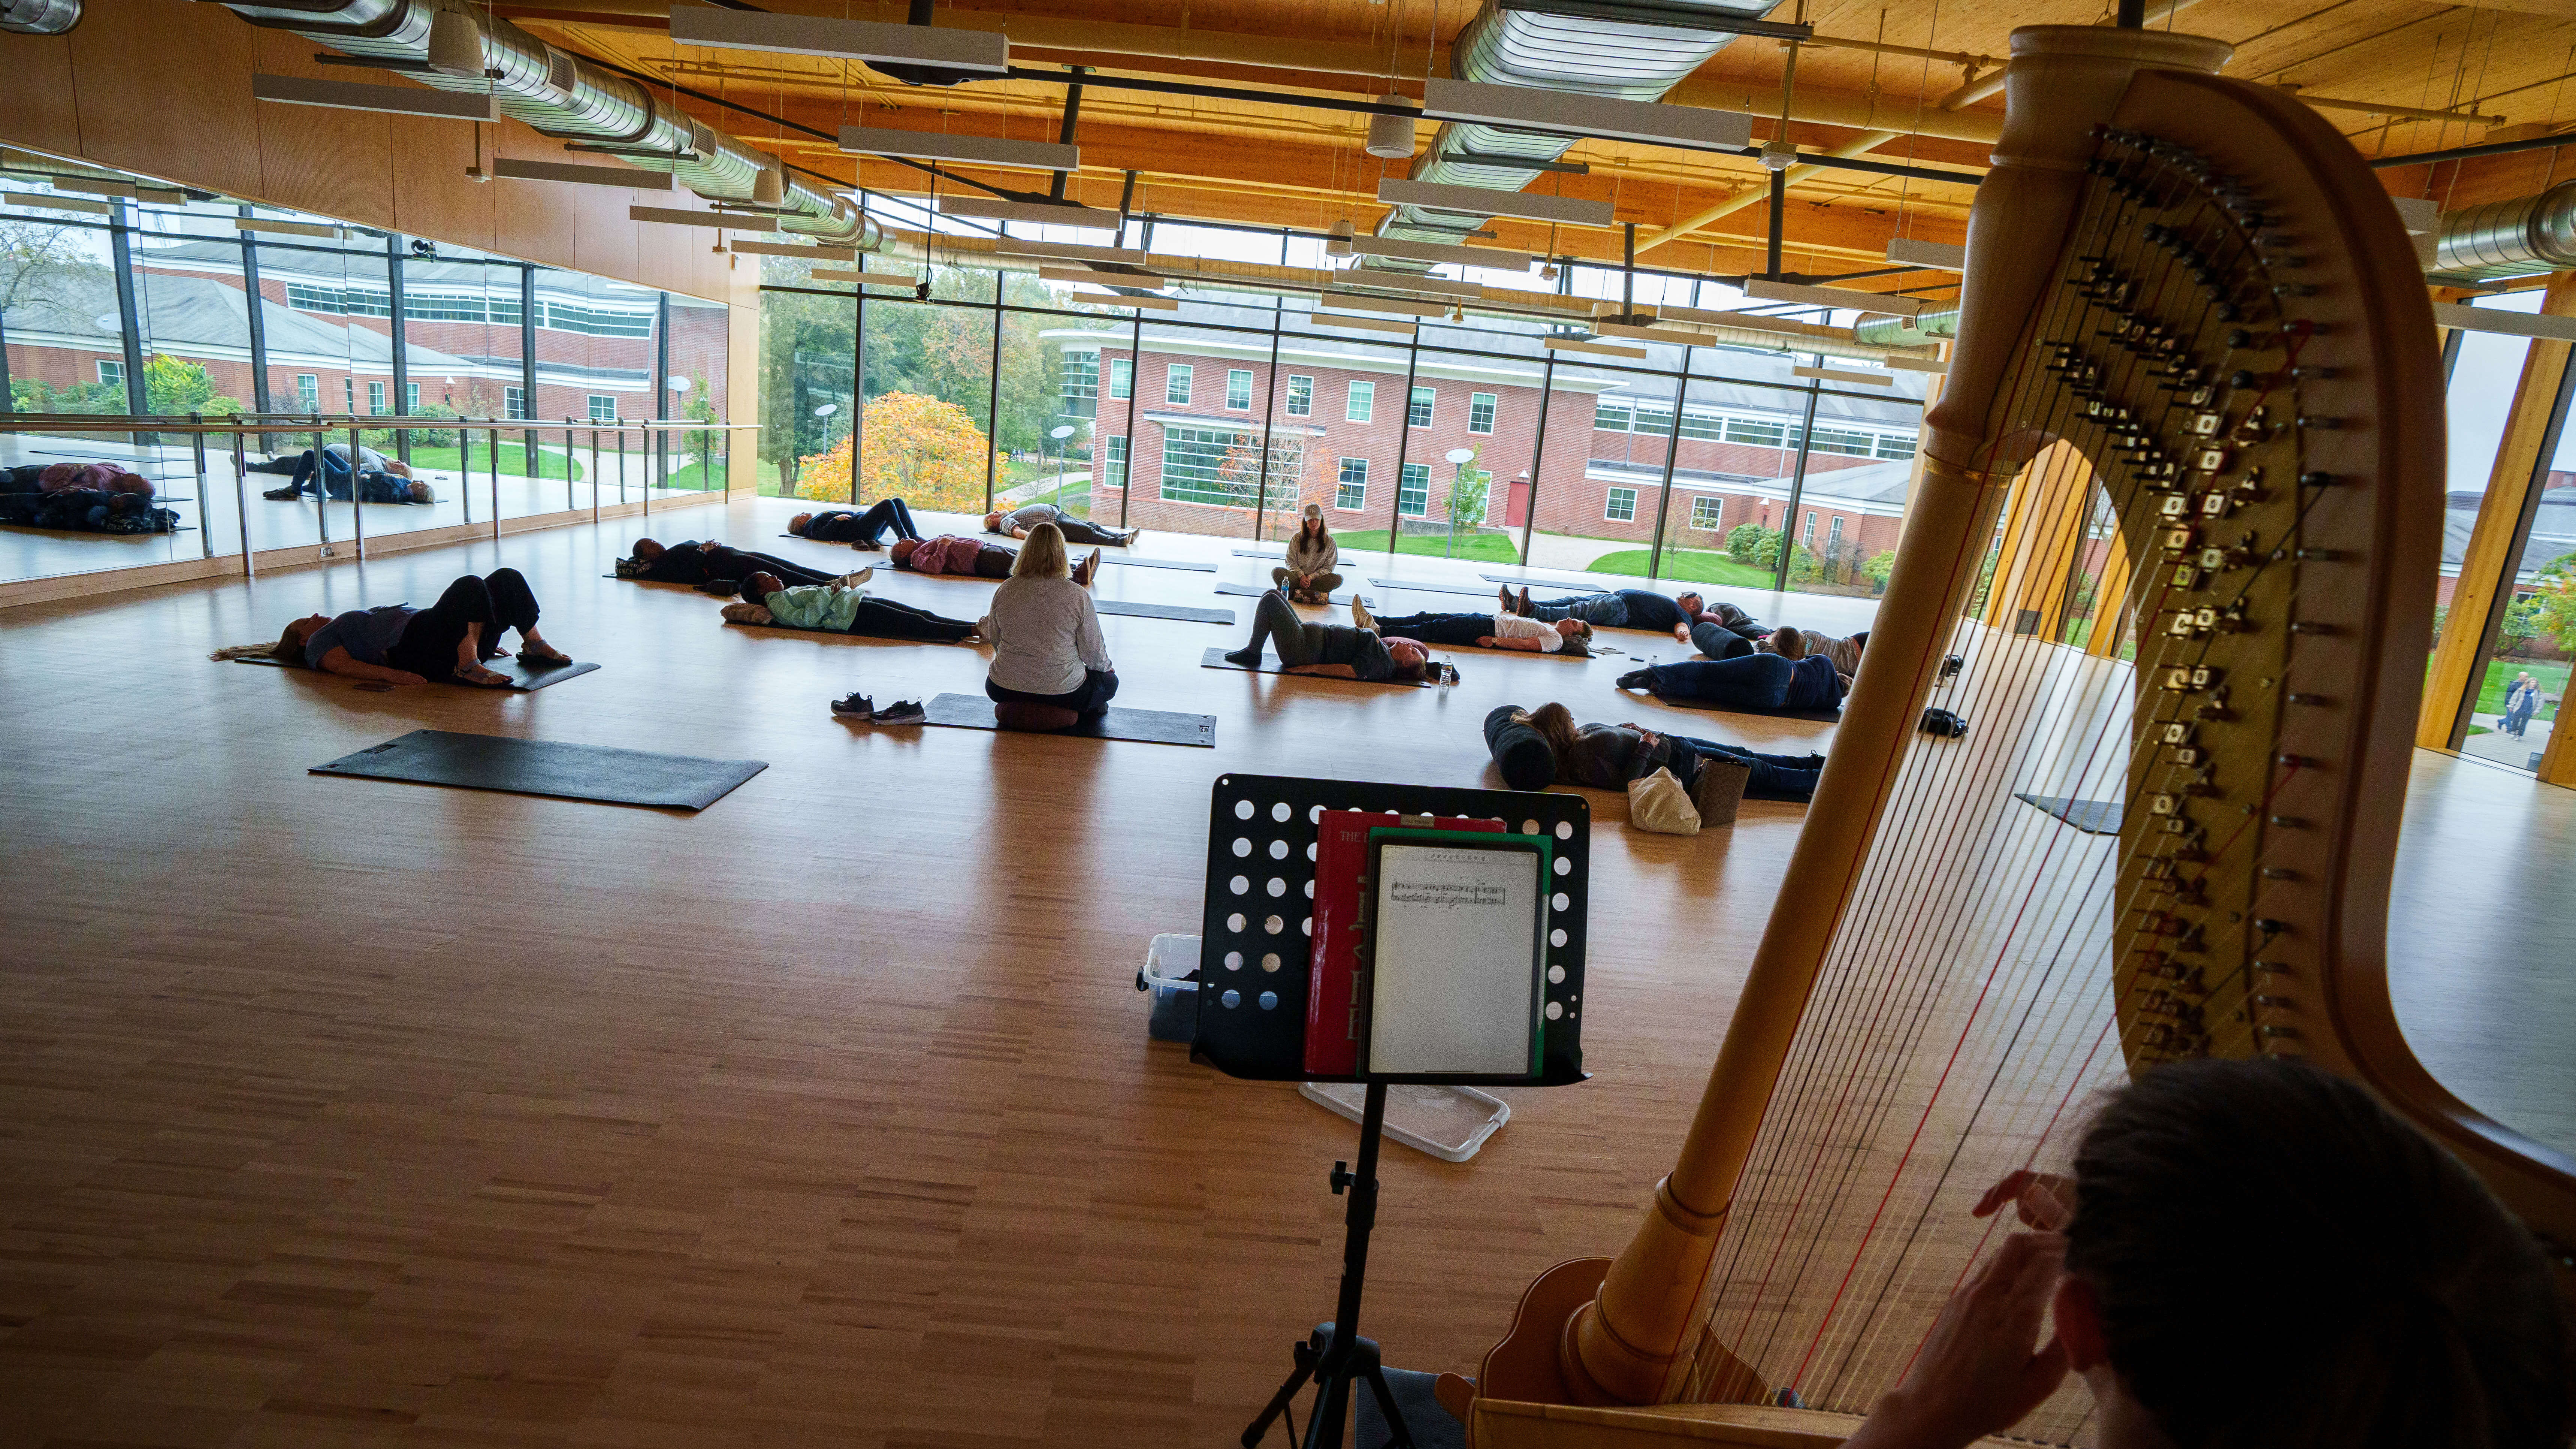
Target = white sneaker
(855,577)
(1360,614)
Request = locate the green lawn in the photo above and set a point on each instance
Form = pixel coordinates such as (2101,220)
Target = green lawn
(2552,674)
(1480,547)
(1686,565)
(514,460)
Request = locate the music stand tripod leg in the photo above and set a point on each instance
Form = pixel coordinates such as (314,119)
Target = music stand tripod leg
(1335,1354)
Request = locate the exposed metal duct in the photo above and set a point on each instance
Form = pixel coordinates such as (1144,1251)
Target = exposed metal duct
(1506,44)
(1907,332)
(557,93)
(2523,237)
(39,17)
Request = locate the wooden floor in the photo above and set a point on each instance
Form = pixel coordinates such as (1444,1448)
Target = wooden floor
(336,1112)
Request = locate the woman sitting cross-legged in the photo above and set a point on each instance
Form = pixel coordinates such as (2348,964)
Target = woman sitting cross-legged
(859,530)
(1749,681)
(1482,631)
(1047,648)
(444,643)
(1308,576)
(841,609)
(1608,756)
(1336,650)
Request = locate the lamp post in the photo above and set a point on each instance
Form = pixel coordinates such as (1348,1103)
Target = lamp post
(1057,435)
(1458,458)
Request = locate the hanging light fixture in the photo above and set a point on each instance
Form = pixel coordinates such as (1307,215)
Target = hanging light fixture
(769,188)
(456,44)
(1390,137)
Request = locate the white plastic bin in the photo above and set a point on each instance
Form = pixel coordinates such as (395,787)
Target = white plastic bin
(1450,1123)
(1171,966)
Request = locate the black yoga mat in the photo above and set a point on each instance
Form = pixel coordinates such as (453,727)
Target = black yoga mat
(1254,591)
(525,678)
(1133,609)
(1421,586)
(841,634)
(1152,726)
(2093,817)
(1082,551)
(1215,659)
(547,767)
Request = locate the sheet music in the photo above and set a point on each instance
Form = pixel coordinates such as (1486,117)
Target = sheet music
(1454,978)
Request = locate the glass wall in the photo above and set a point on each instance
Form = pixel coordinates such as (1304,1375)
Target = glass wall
(2521,679)
(1459,436)
(120,295)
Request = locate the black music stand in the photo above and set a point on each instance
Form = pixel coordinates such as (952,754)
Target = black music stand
(1252,1013)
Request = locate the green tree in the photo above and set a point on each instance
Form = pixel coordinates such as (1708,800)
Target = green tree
(2552,602)
(1880,565)
(174,385)
(1745,543)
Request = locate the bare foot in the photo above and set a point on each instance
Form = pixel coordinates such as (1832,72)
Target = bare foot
(481,678)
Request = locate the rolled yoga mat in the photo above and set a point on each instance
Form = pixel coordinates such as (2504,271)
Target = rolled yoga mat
(1151,726)
(525,678)
(547,767)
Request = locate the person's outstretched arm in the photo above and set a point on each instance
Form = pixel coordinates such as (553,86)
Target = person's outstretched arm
(339,661)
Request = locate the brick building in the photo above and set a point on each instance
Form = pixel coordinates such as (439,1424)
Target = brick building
(1341,432)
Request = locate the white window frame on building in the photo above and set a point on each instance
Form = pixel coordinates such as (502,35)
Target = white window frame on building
(1418,412)
(375,399)
(1350,486)
(1238,389)
(1177,378)
(1708,514)
(1113,461)
(1080,383)
(1834,535)
(1122,378)
(514,402)
(1807,535)
(308,391)
(1362,406)
(1199,466)
(349,394)
(603,407)
(1301,396)
(1413,490)
(1481,407)
(411,399)
(1619,505)
(111,374)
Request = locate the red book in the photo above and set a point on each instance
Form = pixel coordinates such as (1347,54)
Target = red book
(1332,991)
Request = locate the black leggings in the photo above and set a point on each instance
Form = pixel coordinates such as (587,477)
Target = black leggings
(866,530)
(736,565)
(429,642)
(1088,700)
(1456,631)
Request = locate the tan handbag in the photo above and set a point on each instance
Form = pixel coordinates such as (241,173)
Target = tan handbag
(1658,802)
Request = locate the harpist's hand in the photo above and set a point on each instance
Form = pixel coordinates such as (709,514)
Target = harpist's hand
(2045,1200)
(1977,1373)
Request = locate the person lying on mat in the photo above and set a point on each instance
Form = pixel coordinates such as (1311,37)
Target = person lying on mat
(1019,522)
(1748,681)
(708,562)
(1047,648)
(955,553)
(1794,643)
(1309,576)
(2399,1305)
(1688,617)
(1608,756)
(1482,631)
(859,530)
(1336,650)
(380,480)
(841,608)
(445,643)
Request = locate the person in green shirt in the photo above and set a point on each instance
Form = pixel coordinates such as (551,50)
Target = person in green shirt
(840,609)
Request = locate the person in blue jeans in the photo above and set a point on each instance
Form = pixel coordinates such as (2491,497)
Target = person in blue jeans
(1750,681)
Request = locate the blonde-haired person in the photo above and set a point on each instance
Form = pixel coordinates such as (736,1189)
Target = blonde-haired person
(1045,634)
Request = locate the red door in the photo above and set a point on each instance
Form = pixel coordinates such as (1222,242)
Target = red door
(1516,502)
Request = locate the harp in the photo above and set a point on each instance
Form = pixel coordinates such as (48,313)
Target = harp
(2196,362)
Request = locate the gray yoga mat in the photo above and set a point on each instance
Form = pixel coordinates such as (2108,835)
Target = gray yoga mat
(1151,726)
(1254,591)
(2093,817)
(1215,659)
(1421,586)
(1083,551)
(526,679)
(547,767)
(1268,553)
(1136,610)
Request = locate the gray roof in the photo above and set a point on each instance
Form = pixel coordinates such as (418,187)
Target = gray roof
(2553,529)
(198,317)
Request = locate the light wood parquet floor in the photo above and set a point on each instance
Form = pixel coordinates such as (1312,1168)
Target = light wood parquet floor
(338,1113)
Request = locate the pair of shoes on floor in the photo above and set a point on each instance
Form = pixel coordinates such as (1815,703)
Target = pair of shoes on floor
(855,707)
(1360,614)
(855,577)
(902,712)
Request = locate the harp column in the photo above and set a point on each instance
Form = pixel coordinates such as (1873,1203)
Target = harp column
(1627,1343)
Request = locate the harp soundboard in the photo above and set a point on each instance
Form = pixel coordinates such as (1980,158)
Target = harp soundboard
(2197,364)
